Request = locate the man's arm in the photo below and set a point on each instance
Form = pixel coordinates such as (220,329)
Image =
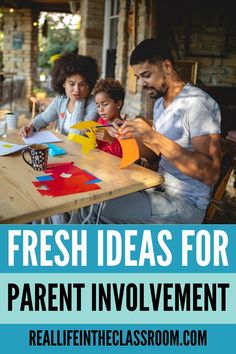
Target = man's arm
(202,164)
(150,153)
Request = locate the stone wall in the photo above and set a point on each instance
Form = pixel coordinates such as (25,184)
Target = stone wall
(122,44)
(91,29)
(212,71)
(211,36)
(135,103)
(206,34)
(91,42)
(20,46)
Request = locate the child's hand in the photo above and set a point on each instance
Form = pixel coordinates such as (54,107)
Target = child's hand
(103,135)
(114,130)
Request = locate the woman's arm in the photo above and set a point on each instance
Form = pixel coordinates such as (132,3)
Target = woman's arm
(42,120)
(50,114)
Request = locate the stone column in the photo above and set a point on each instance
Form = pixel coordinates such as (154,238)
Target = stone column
(91,29)
(122,43)
(20,49)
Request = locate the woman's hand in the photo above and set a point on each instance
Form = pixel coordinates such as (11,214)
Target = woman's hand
(103,135)
(27,130)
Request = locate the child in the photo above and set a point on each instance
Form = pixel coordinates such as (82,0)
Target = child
(109,97)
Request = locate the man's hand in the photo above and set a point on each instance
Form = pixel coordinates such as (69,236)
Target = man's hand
(27,130)
(137,129)
(114,130)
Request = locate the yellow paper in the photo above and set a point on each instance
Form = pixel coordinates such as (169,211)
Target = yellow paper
(88,143)
(130,152)
(85,125)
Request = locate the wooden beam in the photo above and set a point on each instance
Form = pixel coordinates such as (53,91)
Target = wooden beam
(47,6)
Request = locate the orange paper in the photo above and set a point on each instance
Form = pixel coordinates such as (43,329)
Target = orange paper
(130,152)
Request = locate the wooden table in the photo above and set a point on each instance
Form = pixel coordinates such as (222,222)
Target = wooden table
(20,202)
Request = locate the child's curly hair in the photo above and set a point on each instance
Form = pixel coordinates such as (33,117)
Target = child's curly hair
(69,64)
(112,87)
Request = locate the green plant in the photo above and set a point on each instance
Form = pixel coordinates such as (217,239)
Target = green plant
(60,38)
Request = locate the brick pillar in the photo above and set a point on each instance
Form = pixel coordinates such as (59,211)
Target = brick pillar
(122,43)
(91,29)
(135,103)
(21,45)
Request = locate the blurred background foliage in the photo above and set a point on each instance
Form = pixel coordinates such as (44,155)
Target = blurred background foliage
(58,33)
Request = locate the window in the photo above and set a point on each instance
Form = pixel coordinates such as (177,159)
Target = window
(112,8)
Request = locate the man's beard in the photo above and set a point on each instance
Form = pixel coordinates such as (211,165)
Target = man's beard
(155,94)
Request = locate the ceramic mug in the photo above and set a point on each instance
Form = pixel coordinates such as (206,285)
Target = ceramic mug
(38,156)
(3,128)
(12,120)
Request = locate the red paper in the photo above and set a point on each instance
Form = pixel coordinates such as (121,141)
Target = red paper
(59,186)
(65,186)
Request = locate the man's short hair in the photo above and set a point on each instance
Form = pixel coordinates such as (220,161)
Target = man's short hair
(151,50)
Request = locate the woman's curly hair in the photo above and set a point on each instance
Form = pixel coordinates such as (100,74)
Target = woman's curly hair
(69,64)
(112,87)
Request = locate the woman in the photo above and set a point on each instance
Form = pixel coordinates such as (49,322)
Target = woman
(73,78)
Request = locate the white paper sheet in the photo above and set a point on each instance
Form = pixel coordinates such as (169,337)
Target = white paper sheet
(7,148)
(42,137)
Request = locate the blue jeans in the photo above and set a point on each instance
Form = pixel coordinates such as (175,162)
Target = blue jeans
(145,207)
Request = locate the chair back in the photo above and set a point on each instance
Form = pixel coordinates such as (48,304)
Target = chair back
(227,164)
(188,70)
(3,112)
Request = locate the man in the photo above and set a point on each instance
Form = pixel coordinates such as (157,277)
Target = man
(186,134)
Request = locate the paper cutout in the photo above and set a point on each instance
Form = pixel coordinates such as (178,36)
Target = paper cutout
(55,150)
(43,188)
(130,152)
(75,182)
(65,187)
(88,124)
(7,148)
(94,180)
(88,142)
(58,164)
(74,171)
(44,178)
(66,175)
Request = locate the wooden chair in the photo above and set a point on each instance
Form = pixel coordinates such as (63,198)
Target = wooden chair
(227,165)
(188,70)
(3,112)
(40,103)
